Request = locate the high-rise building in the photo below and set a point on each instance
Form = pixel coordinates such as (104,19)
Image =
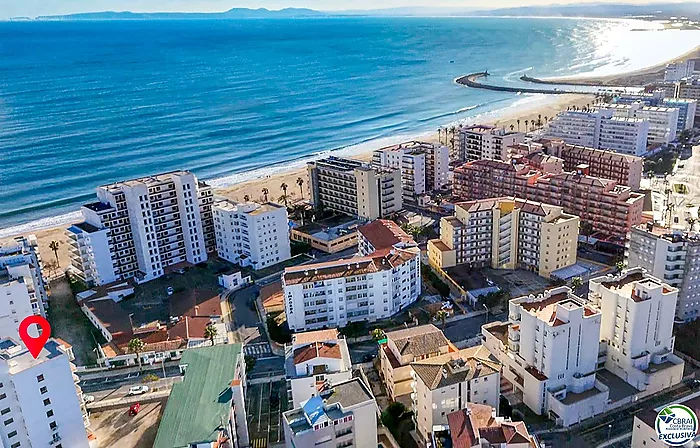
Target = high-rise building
(672,255)
(676,71)
(506,233)
(664,96)
(608,208)
(663,121)
(354,188)
(141,227)
(251,234)
(689,88)
(40,401)
(424,166)
(480,142)
(343,415)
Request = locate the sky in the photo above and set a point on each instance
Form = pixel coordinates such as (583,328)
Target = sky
(33,8)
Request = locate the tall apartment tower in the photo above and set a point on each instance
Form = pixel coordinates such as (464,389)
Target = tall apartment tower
(354,188)
(40,402)
(479,142)
(672,255)
(663,121)
(143,226)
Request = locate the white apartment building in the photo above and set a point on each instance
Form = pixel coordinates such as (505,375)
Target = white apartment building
(20,260)
(424,166)
(354,188)
(344,415)
(678,70)
(40,401)
(251,234)
(672,255)
(15,305)
(485,142)
(601,130)
(446,383)
(365,288)
(506,233)
(637,314)
(687,109)
(143,226)
(314,361)
(549,351)
(663,121)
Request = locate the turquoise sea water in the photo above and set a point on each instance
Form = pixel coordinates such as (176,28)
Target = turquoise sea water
(85,103)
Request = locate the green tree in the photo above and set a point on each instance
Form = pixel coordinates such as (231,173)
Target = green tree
(53,245)
(378,334)
(249,363)
(441,316)
(392,416)
(265,193)
(285,197)
(620,265)
(136,345)
(210,333)
(576,283)
(300,182)
(246,198)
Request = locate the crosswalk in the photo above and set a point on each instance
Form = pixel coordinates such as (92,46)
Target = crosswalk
(259,443)
(260,350)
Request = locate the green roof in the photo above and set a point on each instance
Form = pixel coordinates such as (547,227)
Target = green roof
(197,406)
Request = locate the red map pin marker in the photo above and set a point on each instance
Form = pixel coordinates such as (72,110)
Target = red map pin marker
(34,344)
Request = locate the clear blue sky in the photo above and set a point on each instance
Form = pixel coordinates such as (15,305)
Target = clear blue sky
(33,8)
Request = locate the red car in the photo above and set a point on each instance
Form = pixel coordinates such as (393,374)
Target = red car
(134,409)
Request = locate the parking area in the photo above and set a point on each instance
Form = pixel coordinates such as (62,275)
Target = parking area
(115,427)
(519,282)
(265,404)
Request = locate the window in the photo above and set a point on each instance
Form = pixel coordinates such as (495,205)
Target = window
(3,396)
(15,445)
(53,425)
(11,434)
(49,413)
(8,421)
(40,378)
(5,411)
(47,402)
(43,390)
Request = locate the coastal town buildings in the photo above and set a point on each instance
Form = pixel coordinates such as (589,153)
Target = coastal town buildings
(343,415)
(207,408)
(609,208)
(141,227)
(362,288)
(479,142)
(672,255)
(689,88)
(404,347)
(355,188)
(314,361)
(676,71)
(600,129)
(251,234)
(506,233)
(447,383)
(382,234)
(424,166)
(331,235)
(663,121)
(40,401)
(665,97)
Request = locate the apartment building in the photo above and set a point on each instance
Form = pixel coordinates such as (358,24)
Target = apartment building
(664,96)
(344,415)
(251,234)
(637,314)
(478,425)
(506,233)
(446,383)
(611,209)
(549,351)
(672,255)
(141,227)
(676,71)
(687,109)
(382,234)
(424,166)
(354,188)
(600,129)
(207,408)
(483,142)
(40,401)
(314,361)
(361,288)
(689,88)
(404,347)
(663,121)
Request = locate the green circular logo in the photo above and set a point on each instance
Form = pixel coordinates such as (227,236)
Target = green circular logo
(676,425)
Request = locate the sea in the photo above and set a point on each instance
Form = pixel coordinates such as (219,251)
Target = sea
(84,103)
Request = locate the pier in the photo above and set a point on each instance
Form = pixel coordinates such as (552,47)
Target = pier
(472,80)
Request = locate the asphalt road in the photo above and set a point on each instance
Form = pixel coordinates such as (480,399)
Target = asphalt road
(113,382)
(468,328)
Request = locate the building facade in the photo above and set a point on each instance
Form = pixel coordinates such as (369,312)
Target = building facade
(143,226)
(663,121)
(676,71)
(506,233)
(354,188)
(251,234)
(479,142)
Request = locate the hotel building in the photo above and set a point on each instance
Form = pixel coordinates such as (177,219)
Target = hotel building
(663,121)
(672,255)
(424,166)
(343,415)
(679,70)
(314,361)
(251,234)
(506,233)
(482,142)
(354,188)
(444,384)
(40,401)
(138,228)
(610,208)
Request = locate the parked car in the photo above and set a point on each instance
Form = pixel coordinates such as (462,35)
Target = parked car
(137,390)
(179,271)
(134,409)
(169,290)
(88,398)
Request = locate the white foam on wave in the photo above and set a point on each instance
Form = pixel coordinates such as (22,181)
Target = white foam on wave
(39,224)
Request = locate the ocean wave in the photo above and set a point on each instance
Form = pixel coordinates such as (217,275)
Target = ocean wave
(39,224)
(509,76)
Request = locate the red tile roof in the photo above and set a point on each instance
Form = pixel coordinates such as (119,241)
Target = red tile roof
(383,234)
(195,302)
(317,350)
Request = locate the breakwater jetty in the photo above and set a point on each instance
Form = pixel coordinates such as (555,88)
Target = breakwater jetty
(473,80)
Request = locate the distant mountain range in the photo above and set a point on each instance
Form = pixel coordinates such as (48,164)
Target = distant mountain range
(661,10)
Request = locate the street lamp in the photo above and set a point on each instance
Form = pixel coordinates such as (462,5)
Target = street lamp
(609,430)
(487,312)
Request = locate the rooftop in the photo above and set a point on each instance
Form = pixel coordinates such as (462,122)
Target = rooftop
(468,426)
(19,359)
(331,229)
(418,341)
(383,234)
(456,367)
(195,302)
(197,406)
(317,350)
(314,336)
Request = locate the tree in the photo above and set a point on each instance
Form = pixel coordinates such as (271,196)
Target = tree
(53,245)
(518,121)
(378,334)
(691,222)
(392,416)
(285,197)
(249,363)
(576,283)
(512,127)
(136,345)
(265,192)
(441,316)
(51,267)
(210,333)
(300,182)
(620,265)
(526,123)
(246,198)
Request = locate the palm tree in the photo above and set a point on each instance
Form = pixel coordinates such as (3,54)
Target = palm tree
(546,119)
(284,196)
(620,265)
(576,283)
(441,316)
(512,127)
(265,192)
(378,334)
(300,182)
(246,198)
(210,333)
(691,222)
(518,121)
(526,123)
(53,245)
(136,345)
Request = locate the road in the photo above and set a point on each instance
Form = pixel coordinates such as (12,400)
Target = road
(94,384)
(464,329)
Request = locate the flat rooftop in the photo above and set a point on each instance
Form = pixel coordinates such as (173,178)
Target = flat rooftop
(19,359)
(330,229)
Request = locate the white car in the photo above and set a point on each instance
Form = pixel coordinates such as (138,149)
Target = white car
(170,290)
(88,398)
(137,390)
